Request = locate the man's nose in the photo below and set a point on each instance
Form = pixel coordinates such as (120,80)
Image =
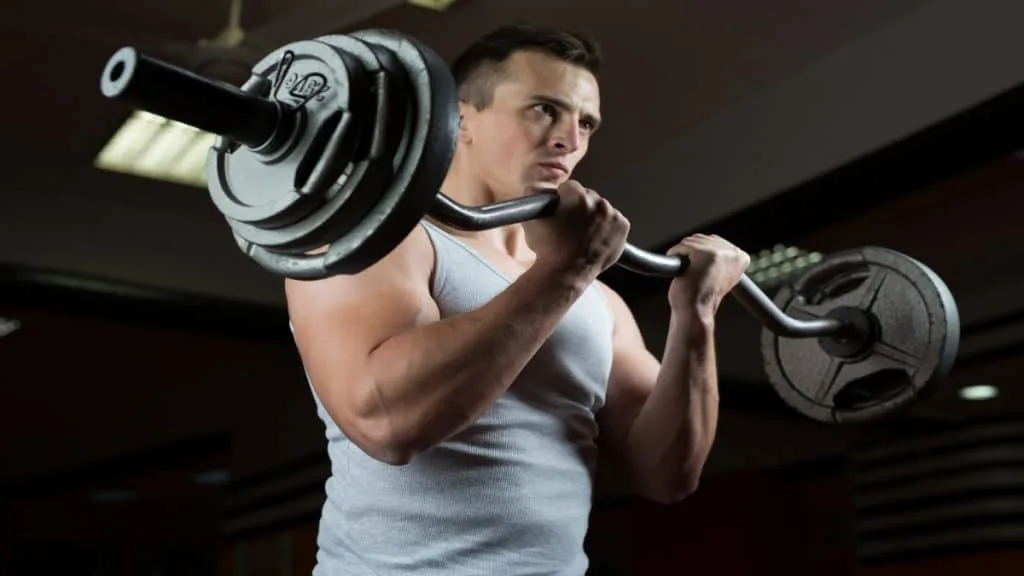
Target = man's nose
(565,137)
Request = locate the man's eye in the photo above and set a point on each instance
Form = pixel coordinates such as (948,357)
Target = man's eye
(547,109)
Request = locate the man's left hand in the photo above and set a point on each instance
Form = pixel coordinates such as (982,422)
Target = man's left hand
(716,266)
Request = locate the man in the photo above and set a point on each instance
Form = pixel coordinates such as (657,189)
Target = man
(467,379)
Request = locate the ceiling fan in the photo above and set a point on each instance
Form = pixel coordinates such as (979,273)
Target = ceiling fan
(228,56)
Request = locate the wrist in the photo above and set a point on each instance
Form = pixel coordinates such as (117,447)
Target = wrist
(574,275)
(694,319)
(558,277)
(701,305)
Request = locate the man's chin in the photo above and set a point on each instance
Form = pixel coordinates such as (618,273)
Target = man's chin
(542,187)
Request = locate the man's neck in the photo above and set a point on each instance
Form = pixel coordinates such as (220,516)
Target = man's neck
(510,239)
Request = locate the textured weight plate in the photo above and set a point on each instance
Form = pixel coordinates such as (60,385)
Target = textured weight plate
(433,121)
(270,187)
(367,167)
(915,329)
(379,157)
(421,165)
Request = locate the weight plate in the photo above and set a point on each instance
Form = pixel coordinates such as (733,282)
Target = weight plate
(317,87)
(432,125)
(380,154)
(431,128)
(913,330)
(367,168)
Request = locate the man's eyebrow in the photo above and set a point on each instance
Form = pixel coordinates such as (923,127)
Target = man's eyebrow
(559,103)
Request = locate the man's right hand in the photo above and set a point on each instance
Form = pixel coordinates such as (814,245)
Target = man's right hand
(584,236)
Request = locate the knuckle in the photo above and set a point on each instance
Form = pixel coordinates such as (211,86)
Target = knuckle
(571,188)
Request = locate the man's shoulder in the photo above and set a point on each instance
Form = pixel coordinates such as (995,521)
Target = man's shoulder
(616,302)
(407,267)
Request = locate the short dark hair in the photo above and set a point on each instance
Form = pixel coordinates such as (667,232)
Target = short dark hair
(479,67)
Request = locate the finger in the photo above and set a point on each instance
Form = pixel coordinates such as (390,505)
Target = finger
(723,241)
(699,236)
(574,192)
(591,198)
(695,242)
(572,185)
(712,244)
(682,248)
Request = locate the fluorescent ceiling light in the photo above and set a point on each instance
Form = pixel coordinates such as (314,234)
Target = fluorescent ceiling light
(979,392)
(438,5)
(213,478)
(151,146)
(113,496)
(8,325)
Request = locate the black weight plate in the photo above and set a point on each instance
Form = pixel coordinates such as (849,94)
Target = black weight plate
(916,326)
(433,123)
(367,167)
(426,154)
(271,188)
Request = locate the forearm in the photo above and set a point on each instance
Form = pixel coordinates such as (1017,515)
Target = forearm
(432,381)
(671,437)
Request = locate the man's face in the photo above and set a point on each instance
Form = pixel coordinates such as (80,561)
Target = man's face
(537,128)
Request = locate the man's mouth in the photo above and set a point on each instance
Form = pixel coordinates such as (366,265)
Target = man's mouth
(557,167)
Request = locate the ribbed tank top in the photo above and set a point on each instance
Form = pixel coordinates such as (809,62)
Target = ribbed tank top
(509,495)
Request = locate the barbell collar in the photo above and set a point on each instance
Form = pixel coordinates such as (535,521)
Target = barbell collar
(178,94)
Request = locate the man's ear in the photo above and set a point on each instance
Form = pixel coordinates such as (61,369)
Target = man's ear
(466,114)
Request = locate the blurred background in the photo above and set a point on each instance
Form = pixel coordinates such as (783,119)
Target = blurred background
(155,418)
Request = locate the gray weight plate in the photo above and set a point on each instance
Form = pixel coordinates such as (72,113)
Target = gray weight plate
(432,123)
(368,166)
(270,187)
(914,326)
(422,162)
(380,155)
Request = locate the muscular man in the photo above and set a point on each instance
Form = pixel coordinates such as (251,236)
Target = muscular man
(467,380)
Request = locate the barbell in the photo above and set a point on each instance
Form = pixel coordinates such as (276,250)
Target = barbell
(344,141)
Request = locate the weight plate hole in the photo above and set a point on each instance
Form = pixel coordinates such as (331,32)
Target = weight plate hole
(316,148)
(872,390)
(838,286)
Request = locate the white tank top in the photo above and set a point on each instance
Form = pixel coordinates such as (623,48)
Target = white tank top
(511,494)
